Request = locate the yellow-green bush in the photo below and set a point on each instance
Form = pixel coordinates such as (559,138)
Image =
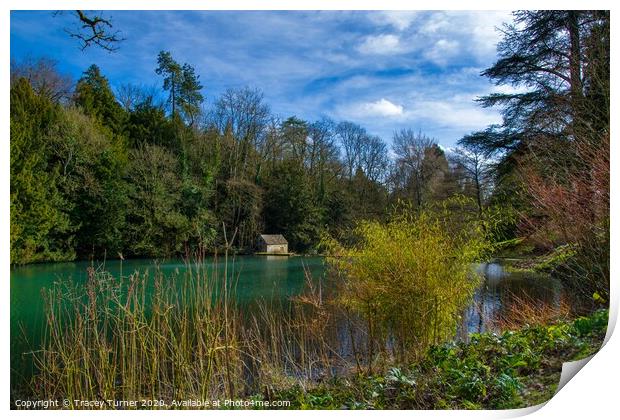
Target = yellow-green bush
(411,278)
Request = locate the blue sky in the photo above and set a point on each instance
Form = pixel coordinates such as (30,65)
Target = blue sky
(383,70)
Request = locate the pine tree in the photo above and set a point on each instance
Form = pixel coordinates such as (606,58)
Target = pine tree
(183,85)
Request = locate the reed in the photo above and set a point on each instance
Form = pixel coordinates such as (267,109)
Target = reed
(112,340)
(525,311)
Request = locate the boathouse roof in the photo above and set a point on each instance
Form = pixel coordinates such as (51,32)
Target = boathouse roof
(273,239)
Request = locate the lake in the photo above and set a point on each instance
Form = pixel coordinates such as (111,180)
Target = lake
(259,278)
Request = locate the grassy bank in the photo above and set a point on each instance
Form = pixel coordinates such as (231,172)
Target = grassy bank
(512,370)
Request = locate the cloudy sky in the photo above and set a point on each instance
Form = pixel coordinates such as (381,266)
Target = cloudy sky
(383,70)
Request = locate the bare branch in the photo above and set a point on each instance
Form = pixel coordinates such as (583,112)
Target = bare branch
(95,30)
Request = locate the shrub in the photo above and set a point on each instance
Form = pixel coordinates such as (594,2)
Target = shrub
(410,278)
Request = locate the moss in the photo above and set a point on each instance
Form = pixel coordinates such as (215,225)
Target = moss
(550,262)
(513,248)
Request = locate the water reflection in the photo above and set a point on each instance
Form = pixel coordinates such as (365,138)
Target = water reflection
(501,291)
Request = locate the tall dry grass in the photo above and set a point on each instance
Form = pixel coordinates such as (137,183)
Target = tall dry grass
(525,310)
(151,337)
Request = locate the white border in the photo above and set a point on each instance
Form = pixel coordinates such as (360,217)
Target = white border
(591,394)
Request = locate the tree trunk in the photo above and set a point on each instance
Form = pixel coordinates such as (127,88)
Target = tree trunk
(576,85)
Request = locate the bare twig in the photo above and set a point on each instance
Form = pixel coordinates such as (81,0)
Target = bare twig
(95,30)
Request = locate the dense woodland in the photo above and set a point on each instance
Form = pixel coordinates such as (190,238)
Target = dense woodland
(100,170)
(97,172)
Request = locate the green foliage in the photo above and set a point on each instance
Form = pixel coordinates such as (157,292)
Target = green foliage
(512,370)
(240,171)
(289,206)
(239,206)
(40,226)
(148,124)
(95,97)
(191,97)
(410,278)
(155,225)
(366,199)
(593,324)
(93,162)
(78,171)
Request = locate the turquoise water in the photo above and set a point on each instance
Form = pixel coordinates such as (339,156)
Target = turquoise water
(256,278)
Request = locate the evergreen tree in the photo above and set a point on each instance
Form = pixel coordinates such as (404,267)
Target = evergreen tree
(40,226)
(183,85)
(93,163)
(155,224)
(95,97)
(148,124)
(190,96)
(289,207)
(173,78)
(548,53)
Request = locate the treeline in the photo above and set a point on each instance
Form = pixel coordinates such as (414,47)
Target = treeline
(99,173)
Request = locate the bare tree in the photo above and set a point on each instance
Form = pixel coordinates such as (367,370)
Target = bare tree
(322,144)
(410,149)
(351,137)
(323,154)
(43,77)
(374,158)
(272,149)
(131,95)
(243,114)
(475,168)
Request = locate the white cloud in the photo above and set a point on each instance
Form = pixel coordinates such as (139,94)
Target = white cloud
(442,50)
(438,36)
(399,19)
(478,28)
(380,44)
(382,108)
(435,22)
(458,112)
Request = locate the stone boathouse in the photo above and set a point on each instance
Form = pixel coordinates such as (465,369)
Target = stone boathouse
(272,244)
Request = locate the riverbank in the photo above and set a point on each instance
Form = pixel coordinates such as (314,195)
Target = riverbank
(537,262)
(177,322)
(513,370)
